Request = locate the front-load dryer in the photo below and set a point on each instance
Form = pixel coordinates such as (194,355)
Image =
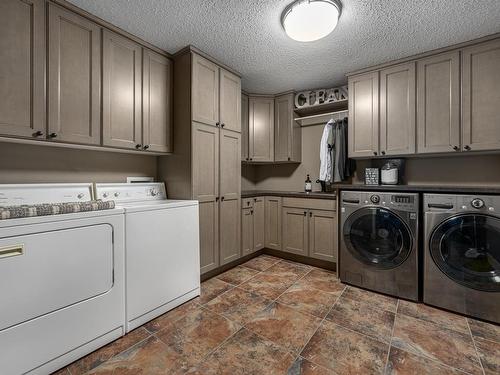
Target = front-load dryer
(379,242)
(462,254)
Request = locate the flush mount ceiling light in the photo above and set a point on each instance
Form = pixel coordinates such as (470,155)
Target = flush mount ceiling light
(309,20)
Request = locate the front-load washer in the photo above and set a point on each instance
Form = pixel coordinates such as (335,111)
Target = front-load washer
(462,254)
(162,248)
(379,242)
(61,277)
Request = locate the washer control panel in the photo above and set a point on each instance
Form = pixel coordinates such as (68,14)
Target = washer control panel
(130,192)
(397,201)
(461,203)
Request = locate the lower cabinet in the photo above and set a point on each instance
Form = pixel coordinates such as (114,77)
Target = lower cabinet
(252,225)
(272,208)
(310,229)
(295,230)
(322,234)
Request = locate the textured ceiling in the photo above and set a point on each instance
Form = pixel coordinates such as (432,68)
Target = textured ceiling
(247,35)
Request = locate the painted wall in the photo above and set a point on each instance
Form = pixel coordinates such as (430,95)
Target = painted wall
(29,164)
(469,169)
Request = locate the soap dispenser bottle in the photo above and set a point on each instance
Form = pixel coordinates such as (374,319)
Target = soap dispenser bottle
(308,185)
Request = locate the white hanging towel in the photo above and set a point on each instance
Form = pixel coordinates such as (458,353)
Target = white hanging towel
(325,156)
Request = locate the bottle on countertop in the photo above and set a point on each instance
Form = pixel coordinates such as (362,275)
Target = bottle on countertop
(308,185)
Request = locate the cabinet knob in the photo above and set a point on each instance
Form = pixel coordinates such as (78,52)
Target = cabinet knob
(251,212)
(456,148)
(310,214)
(251,159)
(145,147)
(289,158)
(217,124)
(216,199)
(383,152)
(38,133)
(222,125)
(305,213)
(467,148)
(375,153)
(138,146)
(53,135)
(222,198)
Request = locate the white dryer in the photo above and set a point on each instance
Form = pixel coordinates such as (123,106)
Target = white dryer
(61,280)
(162,249)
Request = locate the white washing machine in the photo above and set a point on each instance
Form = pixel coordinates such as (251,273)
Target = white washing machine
(61,280)
(162,249)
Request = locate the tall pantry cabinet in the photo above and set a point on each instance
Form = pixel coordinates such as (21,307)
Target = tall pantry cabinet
(206,165)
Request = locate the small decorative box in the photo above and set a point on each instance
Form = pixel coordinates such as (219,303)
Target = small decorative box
(372,176)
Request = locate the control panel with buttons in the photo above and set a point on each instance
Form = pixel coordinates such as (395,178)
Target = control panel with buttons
(131,192)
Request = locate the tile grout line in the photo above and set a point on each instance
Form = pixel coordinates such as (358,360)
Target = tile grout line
(392,336)
(475,347)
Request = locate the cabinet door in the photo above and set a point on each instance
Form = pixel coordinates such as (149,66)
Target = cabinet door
(273,222)
(22,68)
(323,235)
(74,78)
(397,110)
(205,91)
(287,135)
(246,231)
(230,101)
(157,101)
(295,231)
(481,96)
(121,111)
(261,129)
(438,103)
(244,127)
(205,169)
(230,194)
(363,115)
(258,223)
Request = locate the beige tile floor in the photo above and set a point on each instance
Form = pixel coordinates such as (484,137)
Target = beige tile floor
(271,316)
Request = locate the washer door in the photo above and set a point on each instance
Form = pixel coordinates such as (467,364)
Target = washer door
(377,237)
(466,248)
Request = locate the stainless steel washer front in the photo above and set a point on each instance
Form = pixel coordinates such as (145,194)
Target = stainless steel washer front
(379,242)
(462,254)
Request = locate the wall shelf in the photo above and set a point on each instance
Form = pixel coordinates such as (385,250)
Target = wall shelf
(339,105)
(322,118)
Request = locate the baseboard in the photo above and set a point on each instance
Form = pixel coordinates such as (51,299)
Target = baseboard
(331,266)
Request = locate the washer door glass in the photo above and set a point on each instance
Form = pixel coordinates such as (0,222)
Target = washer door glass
(377,237)
(467,249)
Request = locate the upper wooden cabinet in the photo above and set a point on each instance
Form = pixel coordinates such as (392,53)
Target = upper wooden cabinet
(230,101)
(157,101)
(397,110)
(74,78)
(121,112)
(22,68)
(438,103)
(244,127)
(481,97)
(287,132)
(205,91)
(216,95)
(444,109)
(261,129)
(363,126)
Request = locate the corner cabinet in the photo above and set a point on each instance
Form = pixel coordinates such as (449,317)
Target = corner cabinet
(22,70)
(481,97)
(244,127)
(261,129)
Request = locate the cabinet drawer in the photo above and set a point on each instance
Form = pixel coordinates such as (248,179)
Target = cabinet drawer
(319,204)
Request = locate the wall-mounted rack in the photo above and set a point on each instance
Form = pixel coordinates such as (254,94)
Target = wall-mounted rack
(322,118)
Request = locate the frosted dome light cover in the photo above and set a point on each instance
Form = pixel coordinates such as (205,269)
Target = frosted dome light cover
(309,20)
